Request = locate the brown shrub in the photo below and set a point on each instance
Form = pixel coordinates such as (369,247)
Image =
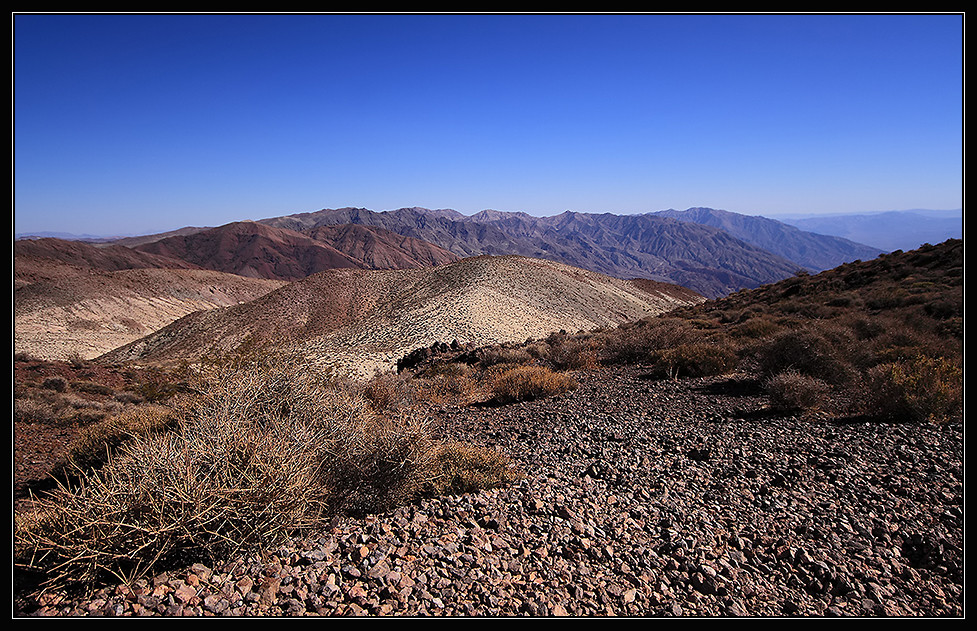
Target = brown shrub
(460,467)
(443,382)
(755,328)
(790,391)
(573,354)
(33,410)
(386,391)
(638,341)
(90,387)
(58,384)
(263,452)
(806,351)
(924,389)
(495,355)
(97,443)
(530,382)
(699,359)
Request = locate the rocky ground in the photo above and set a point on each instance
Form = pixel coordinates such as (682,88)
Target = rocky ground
(641,498)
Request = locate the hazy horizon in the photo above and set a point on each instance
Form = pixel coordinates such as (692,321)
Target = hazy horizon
(138,124)
(940,213)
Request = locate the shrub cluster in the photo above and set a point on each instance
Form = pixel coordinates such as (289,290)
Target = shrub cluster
(792,391)
(922,389)
(525,383)
(260,453)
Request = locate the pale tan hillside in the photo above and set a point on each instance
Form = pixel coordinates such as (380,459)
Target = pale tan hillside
(361,321)
(92,312)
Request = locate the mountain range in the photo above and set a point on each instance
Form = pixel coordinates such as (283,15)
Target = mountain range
(712,252)
(91,298)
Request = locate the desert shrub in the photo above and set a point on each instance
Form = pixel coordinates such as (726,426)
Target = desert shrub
(128,397)
(263,452)
(95,445)
(373,464)
(791,391)
(530,382)
(90,387)
(443,382)
(637,342)
(60,409)
(33,410)
(58,384)
(495,355)
(699,359)
(755,328)
(386,390)
(461,467)
(157,386)
(806,351)
(923,389)
(573,354)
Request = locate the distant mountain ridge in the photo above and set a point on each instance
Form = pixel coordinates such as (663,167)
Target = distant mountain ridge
(816,252)
(712,252)
(890,230)
(55,259)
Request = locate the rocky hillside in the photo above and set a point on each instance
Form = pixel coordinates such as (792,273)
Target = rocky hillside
(365,320)
(250,249)
(377,248)
(642,497)
(645,493)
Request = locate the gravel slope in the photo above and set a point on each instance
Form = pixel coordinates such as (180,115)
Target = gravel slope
(642,498)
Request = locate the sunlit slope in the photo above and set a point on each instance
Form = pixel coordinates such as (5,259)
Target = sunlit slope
(363,320)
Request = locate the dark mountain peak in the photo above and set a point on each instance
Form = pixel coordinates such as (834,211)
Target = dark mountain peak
(499,215)
(446,213)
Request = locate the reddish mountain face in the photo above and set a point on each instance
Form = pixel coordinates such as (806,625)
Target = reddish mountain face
(256,250)
(378,248)
(51,259)
(250,249)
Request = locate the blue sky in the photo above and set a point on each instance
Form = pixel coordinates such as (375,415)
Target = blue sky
(129,124)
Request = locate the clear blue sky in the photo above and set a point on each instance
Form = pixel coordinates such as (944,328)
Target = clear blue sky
(128,124)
